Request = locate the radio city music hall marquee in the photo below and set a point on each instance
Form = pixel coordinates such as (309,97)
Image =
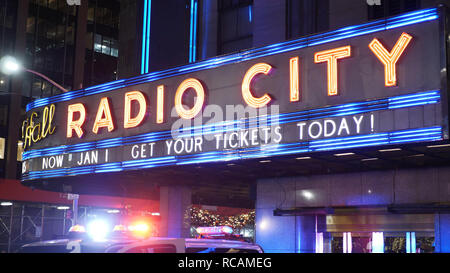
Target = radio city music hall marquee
(370,85)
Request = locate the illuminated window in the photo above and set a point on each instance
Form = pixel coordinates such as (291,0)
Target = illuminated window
(105,45)
(19,151)
(2,148)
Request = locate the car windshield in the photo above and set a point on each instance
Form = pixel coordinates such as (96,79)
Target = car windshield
(220,250)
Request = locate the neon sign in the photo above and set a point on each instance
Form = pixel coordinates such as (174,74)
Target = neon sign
(33,132)
(331,95)
(331,57)
(390,59)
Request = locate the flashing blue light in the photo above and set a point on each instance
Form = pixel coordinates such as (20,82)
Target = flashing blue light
(98,229)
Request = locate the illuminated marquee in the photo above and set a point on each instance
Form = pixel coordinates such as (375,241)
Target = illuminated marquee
(344,89)
(331,57)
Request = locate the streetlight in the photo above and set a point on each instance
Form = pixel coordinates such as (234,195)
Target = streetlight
(10,66)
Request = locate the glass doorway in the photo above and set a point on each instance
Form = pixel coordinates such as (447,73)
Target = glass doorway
(382,242)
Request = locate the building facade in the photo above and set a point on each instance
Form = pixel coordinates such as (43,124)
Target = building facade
(356,200)
(400,193)
(76,46)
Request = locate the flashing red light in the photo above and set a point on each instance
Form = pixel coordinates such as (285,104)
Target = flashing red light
(139,229)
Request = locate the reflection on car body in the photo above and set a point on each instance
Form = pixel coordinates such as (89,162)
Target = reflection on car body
(152,245)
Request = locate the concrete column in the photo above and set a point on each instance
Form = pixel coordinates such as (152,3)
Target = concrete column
(269,24)
(307,228)
(80,46)
(130,38)
(442,233)
(208,25)
(173,204)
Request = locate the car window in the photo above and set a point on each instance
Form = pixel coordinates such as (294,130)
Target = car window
(165,248)
(44,249)
(220,250)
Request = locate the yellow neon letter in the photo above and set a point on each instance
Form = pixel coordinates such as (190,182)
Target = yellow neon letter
(104,117)
(295,82)
(129,122)
(331,57)
(184,86)
(75,125)
(261,68)
(160,105)
(390,59)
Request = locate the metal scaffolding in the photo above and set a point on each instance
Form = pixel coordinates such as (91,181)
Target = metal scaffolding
(22,223)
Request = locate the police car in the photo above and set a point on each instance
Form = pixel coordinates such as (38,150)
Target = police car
(128,240)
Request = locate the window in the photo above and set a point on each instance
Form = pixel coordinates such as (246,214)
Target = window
(220,250)
(306,17)
(392,7)
(3,115)
(2,148)
(235,25)
(19,151)
(106,46)
(154,249)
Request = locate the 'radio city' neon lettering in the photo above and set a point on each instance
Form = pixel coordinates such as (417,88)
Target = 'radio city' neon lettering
(184,86)
(261,68)
(331,57)
(390,59)
(137,96)
(75,125)
(104,117)
(294,79)
(160,105)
